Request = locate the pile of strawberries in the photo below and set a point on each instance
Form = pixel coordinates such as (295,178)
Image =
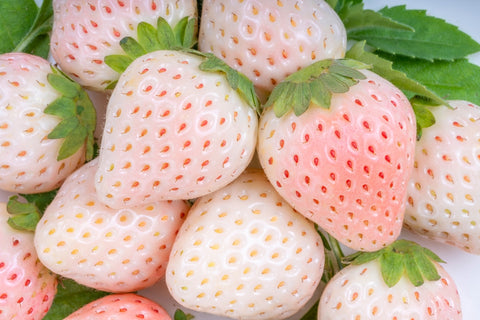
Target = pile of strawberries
(229,148)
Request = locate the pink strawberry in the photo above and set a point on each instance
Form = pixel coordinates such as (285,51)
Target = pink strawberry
(343,155)
(175,129)
(402,281)
(443,191)
(268,40)
(126,306)
(42,132)
(27,288)
(243,252)
(111,250)
(84,32)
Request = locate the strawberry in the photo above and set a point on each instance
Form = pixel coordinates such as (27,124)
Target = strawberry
(84,32)
(243,252)
(401,281)
(121,306)
(27,288)
(110,250)
(178,126)
(343,155)
(442,191)
(44,135)
(268,40)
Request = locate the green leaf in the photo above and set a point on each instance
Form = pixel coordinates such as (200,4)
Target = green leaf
(388,70)
(359,20)
(24,215)
(452,80)
(37,40)
(70,297)
(16,19)
(433,37)
(77,114)
(423,116)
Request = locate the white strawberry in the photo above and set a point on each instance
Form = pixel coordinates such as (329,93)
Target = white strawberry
(268,40)
(42,132)
(111,250)
(443,193)
(120,306)
(175,129)
(340,151)
(84,32)
(27,288)
(243,252)
(402,281)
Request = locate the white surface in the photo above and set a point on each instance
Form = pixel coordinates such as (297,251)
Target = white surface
(462,266)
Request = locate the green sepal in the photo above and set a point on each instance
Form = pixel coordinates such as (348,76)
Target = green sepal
(150,39)
(320,95)
(147,37)
(181,315)
(166,35)
(238,81)
(185,31)
(63,107)
(314,85)
(77,114)
(118,63)
(403,258)
(24,215)
(425,265)
(65,86)
(423,116)
(413,271)
(392,267)
(132,47)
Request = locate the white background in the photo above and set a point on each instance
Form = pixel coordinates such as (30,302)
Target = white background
(464,267)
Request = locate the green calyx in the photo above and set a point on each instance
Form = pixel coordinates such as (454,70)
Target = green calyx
(150,38)
(77,114)
(24,215)
(237,80)
(401,258)
(180,38)
(314,85)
